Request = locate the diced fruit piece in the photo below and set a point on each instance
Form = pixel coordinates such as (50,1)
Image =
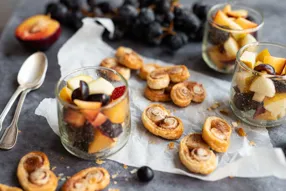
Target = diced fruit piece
(100,142)
(110,129)
(88,108)
(99,120)
(103,98)
(74,118)
(238,13)
(247,40)
(283,71)
(276,105)
(66,94)
(262,114)
(262,54)
(222,20)
(100,86)
(83,137)
(248,58)
(38,32)
(265,68)
(73,83)
(226,9)
(118,112)
(231,47)
(277,63)
(257,63)
(217,36)
(262,87)
(245,24)
(238,35)
(280,85)
(244,102)
(243,81)
(118,92)
(218,55)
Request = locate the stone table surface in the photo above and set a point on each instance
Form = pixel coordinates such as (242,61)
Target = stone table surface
(37,135)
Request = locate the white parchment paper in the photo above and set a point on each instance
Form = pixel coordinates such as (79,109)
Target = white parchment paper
(86,48)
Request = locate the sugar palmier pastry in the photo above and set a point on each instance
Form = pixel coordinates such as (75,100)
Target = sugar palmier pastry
(181,95)
(114,64)
(158,79)
(198,91)
(178,73)
(34,173)
(195,154)
(90,179)
(129,58)
(156,119)
(146,69)
(161,95)
(9,188)
(216,132)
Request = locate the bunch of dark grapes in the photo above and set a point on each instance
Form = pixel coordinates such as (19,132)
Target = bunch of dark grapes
(152,21)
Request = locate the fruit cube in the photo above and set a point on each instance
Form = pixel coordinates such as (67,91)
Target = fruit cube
(222,20)
(248,58)
(73,83)
(100,142)
(237,13)
(262,54)
(262,87)
(118,112)
(66,94)
(277,63)
(247,40)
(99,120)
(100,86)
(231,47)
(245,24)
(276,105)
(74,118)
(226,9)
(88,108)
(243,81)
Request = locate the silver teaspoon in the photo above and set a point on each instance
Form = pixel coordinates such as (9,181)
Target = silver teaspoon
(33,73)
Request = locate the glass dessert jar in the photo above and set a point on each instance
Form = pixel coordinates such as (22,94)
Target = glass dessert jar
(93,112)
(258,89)
(228,28)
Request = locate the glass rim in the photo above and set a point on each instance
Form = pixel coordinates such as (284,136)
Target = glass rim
(242,64)
(110,105)
(210,19)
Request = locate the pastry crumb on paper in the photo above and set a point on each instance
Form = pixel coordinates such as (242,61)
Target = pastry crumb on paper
(240,131)
(171,145)
(125,166)
(99,162)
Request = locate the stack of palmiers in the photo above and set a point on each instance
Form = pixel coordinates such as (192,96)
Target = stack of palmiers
(168,84)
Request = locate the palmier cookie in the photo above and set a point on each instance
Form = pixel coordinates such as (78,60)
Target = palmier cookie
(162,95)
(158,79)
(178,73)
(113,63)
(34,173)
(195,154)
(128,58)
(146,69)
(90,179)
(216,133)
(156,119)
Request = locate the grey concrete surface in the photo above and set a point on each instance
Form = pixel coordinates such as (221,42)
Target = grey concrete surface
(37,135)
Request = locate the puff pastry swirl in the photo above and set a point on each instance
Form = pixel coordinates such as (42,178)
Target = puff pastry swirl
(34,173)
(146,69)
(195,154)
(90,179)
(157,120)
(217,132)
(129,58)
(158,79)
(161,95)
(178,73)
(113,63)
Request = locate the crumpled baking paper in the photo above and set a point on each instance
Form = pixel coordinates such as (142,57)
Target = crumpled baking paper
(243,159)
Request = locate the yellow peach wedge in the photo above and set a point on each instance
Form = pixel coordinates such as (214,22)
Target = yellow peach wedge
(277,63)
(262,54)
(66,94)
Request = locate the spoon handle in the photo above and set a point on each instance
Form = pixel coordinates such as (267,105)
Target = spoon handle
(9,105)
(9,137)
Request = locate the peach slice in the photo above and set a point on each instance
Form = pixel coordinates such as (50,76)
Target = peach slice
(118,112)
(276,105)
(73,83)
(88,108)
(277,63)
(222,20)
(248,58)
(231,47)
(247,40)
(262,54)
(99,120)
(100,142)
(245,24)
(74,117)
(226,9)
(237,13)
(66,94)
(38,32)
(243,81)
(284,71)
(218,56)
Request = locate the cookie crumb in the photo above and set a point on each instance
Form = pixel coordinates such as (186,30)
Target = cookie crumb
(234,124)
(115,182)
(214,106)
(53,168)
(125,166)
(224,111)
(114,175)
(252,143)
(99,162)
(171,145)
(231,177)
(240,131)
(133,171)
(152,142)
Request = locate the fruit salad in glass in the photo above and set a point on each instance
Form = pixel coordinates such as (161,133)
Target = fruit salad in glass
(228,28)
(93,112)
(258,91)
